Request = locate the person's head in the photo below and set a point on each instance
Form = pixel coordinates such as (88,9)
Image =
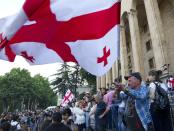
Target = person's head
(29,129)
(117,90)
(134,80)
(47,116)
(77,104)
(66,113)
(87,94)
(57,109)
(93,102)
(97,98)
(8,117)
(118,86)
(103,91)
(15,117)
(5,126)
(57,117)
(73,104)
(154,75)
(81,103)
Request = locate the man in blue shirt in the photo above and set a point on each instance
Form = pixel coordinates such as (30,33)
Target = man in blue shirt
(138,116)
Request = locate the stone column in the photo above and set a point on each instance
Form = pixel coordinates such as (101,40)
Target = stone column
(136,41)
(156,32)
(123,53)
(111,78)
(114,72)
(98,83)
(172,3)
(116,68)
(103,81)
(108,79)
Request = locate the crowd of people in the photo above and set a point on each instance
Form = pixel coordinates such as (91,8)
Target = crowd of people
(134,106)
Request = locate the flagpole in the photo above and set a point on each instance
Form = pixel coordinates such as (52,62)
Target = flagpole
(118,67)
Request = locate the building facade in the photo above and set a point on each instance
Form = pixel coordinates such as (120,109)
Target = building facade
(146,40)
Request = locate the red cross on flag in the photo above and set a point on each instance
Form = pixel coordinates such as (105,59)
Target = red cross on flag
(170,83)
(67,98)
(48,31)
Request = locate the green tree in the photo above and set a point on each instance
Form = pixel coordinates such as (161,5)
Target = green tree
(62,81)
(91,79)
(71,77)
(20,91)
(44,94)
(14,87)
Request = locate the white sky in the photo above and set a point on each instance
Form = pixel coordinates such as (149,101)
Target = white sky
(10,7)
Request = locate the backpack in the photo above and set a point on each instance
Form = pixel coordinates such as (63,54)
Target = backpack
(161,101)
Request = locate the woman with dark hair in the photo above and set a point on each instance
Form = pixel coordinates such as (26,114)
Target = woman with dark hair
(67,119)
(56,124)
(161,117)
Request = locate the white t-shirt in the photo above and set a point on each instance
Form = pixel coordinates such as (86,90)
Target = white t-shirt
(14,123)
(80,115)
(122,104)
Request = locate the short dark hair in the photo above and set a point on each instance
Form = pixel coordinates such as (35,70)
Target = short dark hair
(67,111)
(5,126)
(156,74)
(57,117)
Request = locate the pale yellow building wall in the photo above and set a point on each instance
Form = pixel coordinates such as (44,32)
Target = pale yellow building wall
(125,6)
(167,15)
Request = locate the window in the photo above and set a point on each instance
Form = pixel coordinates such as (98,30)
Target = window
(148,45)
(152,63)
(119,65)
(128,47)
(129,62)
(145,28)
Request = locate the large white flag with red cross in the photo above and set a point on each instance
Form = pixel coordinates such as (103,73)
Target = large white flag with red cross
(48,31)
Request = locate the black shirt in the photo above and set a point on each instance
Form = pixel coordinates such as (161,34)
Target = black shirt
(101,107)
(58,127)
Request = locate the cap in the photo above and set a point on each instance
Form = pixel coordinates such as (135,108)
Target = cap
(135,74)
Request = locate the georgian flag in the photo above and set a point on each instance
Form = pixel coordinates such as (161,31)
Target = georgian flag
(67,98)
(48,31)
(170,83)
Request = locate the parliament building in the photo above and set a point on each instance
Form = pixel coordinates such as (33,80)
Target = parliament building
(146,40)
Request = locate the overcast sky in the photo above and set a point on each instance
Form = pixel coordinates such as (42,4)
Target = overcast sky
(10,7)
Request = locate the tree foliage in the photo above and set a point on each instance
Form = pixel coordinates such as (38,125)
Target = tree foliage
(20,91)
(91,79)
(71,77)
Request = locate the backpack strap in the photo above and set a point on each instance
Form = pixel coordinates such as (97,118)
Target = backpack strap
(158,88)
